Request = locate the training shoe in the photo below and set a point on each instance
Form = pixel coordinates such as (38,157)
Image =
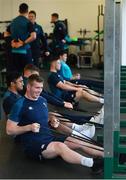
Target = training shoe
(88,130)
(99,118)
(78,134)
(98,166)
(101,111)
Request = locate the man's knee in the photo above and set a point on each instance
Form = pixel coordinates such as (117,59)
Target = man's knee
(59,147)
(79,93)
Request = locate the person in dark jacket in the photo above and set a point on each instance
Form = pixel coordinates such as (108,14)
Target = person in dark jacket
(59,33)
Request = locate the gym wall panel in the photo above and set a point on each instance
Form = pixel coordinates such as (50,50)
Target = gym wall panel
(6,9)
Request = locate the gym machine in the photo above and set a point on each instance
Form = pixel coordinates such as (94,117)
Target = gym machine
(84,56)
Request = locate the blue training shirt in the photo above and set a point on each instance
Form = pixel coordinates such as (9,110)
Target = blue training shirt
(26,111)
(40,42)
(53,79)
(65,71)
(20,28)
(9,100)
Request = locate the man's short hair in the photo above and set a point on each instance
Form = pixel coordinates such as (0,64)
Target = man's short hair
(35,77)
(61,53)
(23,8)
(55,15)
(53,57)
(32,12)
(31,68)
(12,77)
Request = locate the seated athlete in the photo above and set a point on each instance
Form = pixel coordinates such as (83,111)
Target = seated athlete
(32,69)
(66,73)
(65,70)
(15,85)
(14,82)
(29,119)
(65,89)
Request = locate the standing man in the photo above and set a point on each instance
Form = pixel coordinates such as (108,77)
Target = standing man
(59,33)
(22,33)
(40,43)
(7,38)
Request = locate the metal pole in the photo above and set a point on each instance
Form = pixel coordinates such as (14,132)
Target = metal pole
(117,84)
(109,58)
(117,68)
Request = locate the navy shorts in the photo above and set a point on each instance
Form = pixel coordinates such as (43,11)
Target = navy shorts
(69,96)
(34,150)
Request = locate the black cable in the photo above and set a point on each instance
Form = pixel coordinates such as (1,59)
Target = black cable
(82,110)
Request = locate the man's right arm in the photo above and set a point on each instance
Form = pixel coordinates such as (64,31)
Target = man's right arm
(12,128)
(55,101)
(31,38)
(32,34)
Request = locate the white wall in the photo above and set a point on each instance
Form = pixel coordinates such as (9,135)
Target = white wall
(80,13)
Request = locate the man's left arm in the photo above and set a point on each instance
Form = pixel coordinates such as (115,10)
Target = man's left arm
(71,84)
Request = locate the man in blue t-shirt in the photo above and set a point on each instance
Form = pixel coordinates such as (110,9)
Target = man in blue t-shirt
(66,73)
(65,70)
(65,89)
(32,69)
(39,45)
(29,119)
(51,99)
(14,82)
(22,33)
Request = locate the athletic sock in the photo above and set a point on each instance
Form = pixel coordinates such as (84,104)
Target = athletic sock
(87,161)
(101,100)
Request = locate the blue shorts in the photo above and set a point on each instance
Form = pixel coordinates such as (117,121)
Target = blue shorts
(34,151)
(69,96)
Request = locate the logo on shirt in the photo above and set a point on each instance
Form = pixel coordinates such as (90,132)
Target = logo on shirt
(30,108)
(36,29)
(45,104)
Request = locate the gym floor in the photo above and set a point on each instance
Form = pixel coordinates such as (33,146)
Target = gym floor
(14,164)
